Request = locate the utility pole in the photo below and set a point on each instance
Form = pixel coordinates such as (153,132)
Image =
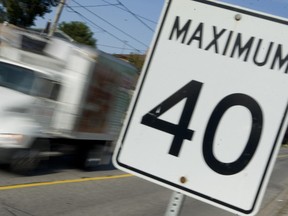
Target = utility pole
(56,18)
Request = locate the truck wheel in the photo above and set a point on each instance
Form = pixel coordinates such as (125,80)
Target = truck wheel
(87,158)
(24,161)
(91,161)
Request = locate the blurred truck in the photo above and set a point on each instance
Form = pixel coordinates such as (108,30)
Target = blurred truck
(57,97)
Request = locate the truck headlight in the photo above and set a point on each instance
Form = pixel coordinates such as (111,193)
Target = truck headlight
(11,138)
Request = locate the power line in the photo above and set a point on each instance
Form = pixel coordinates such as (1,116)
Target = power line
(149,20)
(119,48)
(128,35)
(134,15)
(70,10)
(99,5)
(112,35)
(114,47)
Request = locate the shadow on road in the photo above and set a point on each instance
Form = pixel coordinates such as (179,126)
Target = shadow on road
(58,164)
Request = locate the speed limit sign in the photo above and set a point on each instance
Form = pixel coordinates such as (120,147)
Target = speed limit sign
(210,110)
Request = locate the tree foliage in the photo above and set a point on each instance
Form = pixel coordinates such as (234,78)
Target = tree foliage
(24,12)
(79,31)
(137,60)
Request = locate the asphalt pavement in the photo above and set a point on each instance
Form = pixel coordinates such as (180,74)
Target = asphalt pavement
(66,191)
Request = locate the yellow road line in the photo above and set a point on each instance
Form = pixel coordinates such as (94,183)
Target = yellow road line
(9,187)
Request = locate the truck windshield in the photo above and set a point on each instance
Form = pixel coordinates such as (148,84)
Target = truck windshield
(27,81)
(16,78)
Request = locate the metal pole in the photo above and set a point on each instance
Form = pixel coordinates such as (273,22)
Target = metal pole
(56,18)
(175,204)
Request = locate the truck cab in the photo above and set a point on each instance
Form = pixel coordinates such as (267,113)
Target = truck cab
(28,98)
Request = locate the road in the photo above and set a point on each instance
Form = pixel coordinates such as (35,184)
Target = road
(63,190)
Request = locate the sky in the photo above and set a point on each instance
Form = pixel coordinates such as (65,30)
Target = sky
(128,26)
(274,7)
(125,27)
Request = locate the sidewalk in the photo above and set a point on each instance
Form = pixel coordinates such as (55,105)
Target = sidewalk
(277,207)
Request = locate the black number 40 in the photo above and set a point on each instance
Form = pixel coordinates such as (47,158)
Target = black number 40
(191,92)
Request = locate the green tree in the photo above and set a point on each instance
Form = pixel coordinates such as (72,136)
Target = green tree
(79,31)
(24,12)
(137,60)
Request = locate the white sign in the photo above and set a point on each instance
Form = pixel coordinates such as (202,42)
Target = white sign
(210,110)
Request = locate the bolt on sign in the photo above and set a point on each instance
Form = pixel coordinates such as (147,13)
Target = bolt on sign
(210,110)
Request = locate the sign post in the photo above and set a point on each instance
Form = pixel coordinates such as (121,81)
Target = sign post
(210,110)
(175,204)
